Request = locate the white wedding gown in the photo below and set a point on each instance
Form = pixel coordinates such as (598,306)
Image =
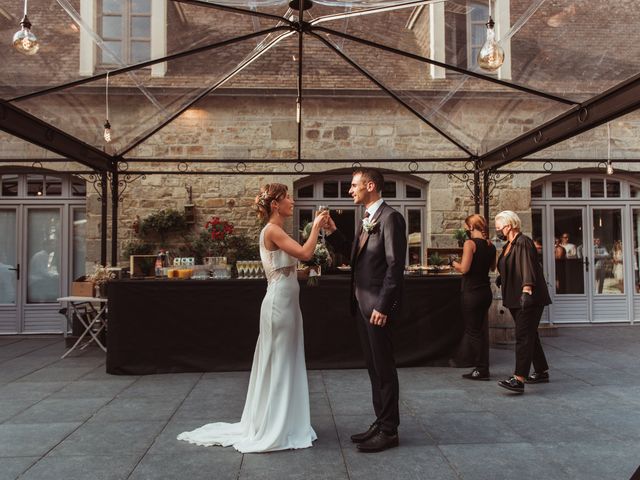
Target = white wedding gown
(276,411)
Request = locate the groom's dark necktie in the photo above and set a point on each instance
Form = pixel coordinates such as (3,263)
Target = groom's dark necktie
(363,234)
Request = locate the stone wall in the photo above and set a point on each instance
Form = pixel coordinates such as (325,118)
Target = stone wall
(260,131)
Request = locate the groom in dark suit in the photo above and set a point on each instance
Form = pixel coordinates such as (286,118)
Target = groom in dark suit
(377,275)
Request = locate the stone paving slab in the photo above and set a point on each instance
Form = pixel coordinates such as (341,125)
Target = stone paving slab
(12,467)
(95,467)
(70,419)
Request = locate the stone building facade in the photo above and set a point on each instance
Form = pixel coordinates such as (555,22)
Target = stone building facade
(250,122)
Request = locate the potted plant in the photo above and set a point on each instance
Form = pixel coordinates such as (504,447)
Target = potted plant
(435,260)
(163,223)
(460,235)
(99,278)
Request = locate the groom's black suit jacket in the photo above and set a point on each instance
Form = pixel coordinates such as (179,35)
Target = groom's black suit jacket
(377,269)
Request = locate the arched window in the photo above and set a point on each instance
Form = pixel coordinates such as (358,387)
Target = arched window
(405,193)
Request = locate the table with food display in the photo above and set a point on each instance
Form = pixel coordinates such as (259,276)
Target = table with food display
(182,324)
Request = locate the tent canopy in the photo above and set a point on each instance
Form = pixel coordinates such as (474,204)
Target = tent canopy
(571,68)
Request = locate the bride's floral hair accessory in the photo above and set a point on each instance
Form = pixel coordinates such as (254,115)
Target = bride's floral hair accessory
(269,193)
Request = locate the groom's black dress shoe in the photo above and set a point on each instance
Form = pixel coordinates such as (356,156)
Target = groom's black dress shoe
(364,436)
(476,375)
(512,384)
(379,442)
(538,377)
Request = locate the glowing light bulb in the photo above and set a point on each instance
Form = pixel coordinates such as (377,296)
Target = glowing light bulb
(609,168)
(107,131)
(24,40)
(491,55)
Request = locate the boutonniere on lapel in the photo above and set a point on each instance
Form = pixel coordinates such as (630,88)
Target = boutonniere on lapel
(369,226)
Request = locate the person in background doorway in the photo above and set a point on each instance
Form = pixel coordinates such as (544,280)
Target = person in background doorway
(538,243)
(569,247)
(618,264)
(601,256)
(560,255)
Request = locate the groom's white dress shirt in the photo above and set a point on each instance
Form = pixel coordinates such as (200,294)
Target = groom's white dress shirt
(374,207)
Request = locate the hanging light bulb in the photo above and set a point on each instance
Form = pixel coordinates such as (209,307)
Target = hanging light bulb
(491,55)
(24,40)
(609,164)
(107,125)
(107,131)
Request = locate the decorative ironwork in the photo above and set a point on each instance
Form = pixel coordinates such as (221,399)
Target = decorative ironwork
(123,166)
(413,167)
(125,181)
(183,166)
(241,167)
(547,166)
(469,181)
(299,167)
(494,179)
(356,165)
(36,164)
(95,180)
(470,178)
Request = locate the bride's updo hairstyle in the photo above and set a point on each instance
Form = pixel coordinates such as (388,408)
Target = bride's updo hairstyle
(269,193)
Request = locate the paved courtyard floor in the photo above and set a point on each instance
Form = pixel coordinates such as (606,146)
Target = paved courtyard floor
(68,419)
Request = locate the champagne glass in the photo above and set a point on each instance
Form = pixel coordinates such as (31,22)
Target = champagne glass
(240,267)
(321,209)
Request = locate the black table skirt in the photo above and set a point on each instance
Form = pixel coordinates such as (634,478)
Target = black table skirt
(162,326)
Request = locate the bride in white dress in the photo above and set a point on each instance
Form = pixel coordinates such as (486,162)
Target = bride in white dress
(276,411)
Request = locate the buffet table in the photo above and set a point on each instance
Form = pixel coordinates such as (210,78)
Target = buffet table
(162,326)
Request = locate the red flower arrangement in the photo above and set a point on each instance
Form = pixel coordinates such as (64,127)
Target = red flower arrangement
(219,229)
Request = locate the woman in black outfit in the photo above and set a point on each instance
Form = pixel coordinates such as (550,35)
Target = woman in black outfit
(478,257)
(525,294)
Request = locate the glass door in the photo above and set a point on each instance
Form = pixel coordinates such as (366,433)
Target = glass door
(9,270)
(570,264)
(608,277)
(44,242)
(45,269)
(635,261)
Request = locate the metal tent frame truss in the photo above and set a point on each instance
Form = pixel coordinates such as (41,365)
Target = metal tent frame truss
(479,173)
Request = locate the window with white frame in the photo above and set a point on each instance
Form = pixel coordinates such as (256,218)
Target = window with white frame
(39,184)
(576,186)
(130,31)
(476,31)
(464,32)
(405,194)
(125,28)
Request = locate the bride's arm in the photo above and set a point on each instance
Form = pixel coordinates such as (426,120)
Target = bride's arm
(284,242)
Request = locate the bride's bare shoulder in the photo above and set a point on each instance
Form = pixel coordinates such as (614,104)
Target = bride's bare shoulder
(272,233)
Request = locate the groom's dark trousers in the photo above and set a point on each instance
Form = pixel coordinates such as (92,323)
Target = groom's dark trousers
(378,356)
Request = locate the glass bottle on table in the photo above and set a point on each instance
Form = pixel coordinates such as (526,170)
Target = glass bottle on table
(159,264)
